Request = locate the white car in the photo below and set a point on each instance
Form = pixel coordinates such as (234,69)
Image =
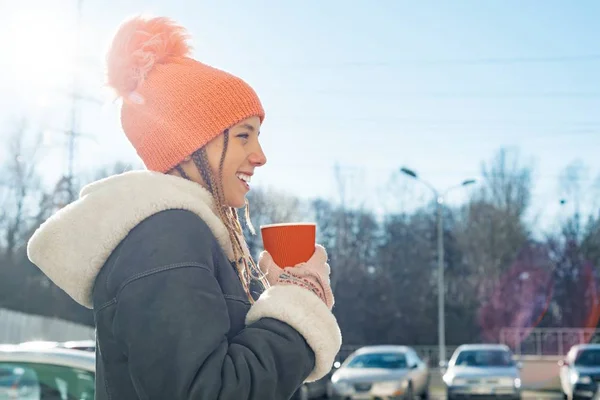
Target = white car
(580,371)
(28,373)
(382,372)
(482,370)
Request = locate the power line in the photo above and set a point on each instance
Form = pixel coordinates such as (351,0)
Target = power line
(74,110)
(557,59)
(447,122)
(66,184)
(458,95)
(464,128)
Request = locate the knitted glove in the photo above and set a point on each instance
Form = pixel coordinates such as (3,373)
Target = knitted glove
(312,275)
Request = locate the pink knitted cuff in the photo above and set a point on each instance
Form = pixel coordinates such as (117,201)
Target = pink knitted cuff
(286,278)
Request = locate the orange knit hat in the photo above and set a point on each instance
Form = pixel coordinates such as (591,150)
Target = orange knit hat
(172,105)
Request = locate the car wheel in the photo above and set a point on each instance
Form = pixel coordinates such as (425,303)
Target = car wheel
(425,394)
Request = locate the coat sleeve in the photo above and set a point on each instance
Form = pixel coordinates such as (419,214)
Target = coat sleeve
(172,321)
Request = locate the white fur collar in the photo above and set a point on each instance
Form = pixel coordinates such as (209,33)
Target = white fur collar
(72,246)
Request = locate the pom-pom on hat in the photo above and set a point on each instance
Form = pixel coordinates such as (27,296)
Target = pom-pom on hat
(172,104)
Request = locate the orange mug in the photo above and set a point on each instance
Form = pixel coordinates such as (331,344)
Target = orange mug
(290,243)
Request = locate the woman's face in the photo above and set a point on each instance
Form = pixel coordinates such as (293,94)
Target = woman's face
(243,155)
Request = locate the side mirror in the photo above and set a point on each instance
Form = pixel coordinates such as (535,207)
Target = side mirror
(519,365)
(563,363)
(414,366)
(443,364)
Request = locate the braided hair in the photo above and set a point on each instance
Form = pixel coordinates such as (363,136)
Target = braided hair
(247,269)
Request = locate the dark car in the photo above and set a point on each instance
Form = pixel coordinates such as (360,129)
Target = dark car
(321,389)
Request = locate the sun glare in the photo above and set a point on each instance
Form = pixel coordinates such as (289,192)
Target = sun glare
(39,51)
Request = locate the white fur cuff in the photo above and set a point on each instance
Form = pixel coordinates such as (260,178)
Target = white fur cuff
(306,313)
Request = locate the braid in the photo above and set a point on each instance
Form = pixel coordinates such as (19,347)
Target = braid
(182,172)
(245,265)
(247,217)
(201,161)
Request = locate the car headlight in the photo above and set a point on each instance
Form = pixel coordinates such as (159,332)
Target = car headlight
(448,379)
(576,378)
(517,383)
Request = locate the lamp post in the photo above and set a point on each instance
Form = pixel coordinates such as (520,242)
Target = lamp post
(440,252)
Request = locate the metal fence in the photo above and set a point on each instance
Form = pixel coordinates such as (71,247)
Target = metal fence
(17,327)
(540,342)
(546,341)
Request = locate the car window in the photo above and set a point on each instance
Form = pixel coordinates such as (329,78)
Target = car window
(413,358)
(30,381)
(484,358)
(410,360)
(588,358)
(418,359)
(379,360)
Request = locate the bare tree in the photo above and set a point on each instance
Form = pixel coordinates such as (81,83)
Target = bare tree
(491,232)
(507,182)
(24,204)
(576,251)
(590,245)
(570,185)
(351,238)
(399,194)
(268,206)
(574,195)
(22,197)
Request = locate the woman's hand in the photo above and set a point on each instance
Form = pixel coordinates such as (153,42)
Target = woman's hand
(312,275)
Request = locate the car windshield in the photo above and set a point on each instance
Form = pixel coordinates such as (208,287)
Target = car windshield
(379,360)
(588,358)
(484,358)
(9,375)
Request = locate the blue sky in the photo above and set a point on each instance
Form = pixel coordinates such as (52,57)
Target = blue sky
(372,86)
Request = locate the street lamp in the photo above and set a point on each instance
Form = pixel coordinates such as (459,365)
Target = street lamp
(440,250)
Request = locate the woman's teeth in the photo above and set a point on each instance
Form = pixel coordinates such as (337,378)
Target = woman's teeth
(244,177)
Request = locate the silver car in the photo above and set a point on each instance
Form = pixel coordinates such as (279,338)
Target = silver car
(382,372)
(48,374)
(580,372)
(482,370)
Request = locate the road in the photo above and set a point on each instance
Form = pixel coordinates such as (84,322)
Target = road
(529,395)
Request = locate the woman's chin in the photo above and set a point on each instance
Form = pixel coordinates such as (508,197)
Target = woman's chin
(237,203)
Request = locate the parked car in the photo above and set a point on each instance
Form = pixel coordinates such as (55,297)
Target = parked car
(482,370)
(580,372)
(22,365)
(46,373)
(382,372)
(39,344)
(85,345)
(321,389)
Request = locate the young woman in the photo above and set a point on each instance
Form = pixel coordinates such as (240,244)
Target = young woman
(159,255)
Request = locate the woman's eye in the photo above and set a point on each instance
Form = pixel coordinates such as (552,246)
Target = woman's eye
(244,136)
